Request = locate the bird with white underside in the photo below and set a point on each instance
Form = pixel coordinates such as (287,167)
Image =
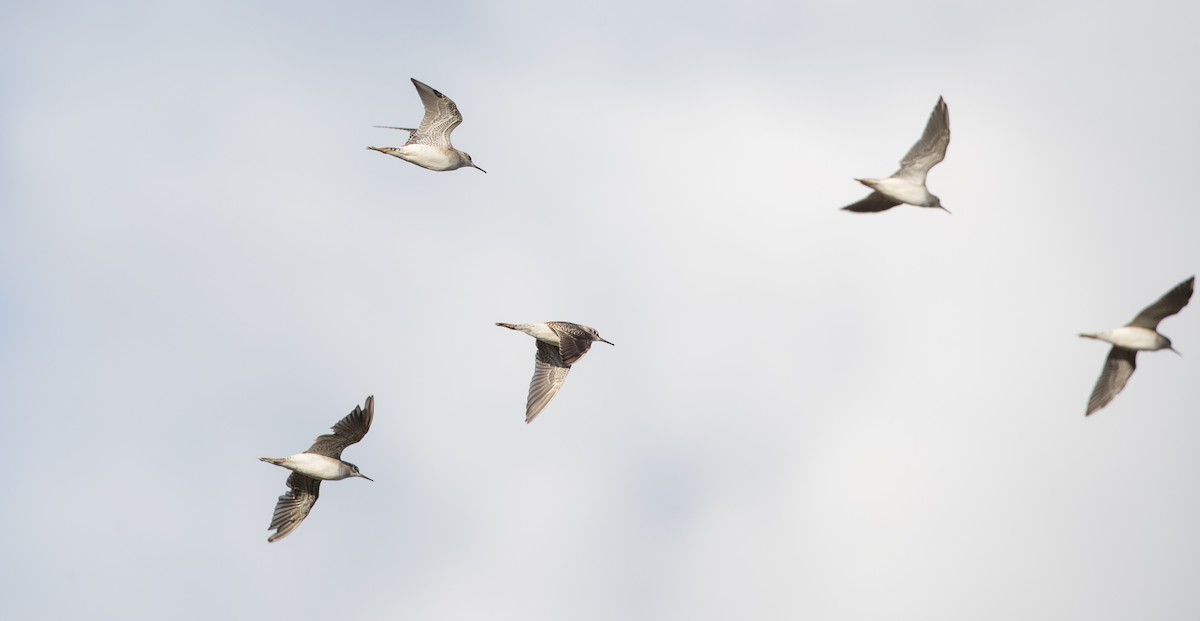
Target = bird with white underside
(1141,334)
(907,185)
(560,344)
(321,462)
(429,145)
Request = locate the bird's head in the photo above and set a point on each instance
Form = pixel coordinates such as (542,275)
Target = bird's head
(354,472)
(937,202)
(469,161)
(596,335)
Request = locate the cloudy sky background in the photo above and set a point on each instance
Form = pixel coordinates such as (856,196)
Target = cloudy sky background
(807,413)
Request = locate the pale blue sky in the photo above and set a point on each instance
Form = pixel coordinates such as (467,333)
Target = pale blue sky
(808,413)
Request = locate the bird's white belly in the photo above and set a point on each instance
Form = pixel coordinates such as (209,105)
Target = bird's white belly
(316,466)
(1132,337)
(542,332)
(903,191)
(433,158)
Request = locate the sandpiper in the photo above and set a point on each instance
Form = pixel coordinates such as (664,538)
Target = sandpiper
(560,344)
(907,185)
(1141,334)
(429,145)
(321,462)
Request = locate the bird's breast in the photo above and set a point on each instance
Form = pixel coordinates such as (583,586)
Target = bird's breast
(542,332)
(317,466)
(903,191)
(433,158)
(1133,337)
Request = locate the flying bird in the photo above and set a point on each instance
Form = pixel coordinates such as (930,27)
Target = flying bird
(560,344)
(429,145)
(1141,334)
(907,185)
(321,462)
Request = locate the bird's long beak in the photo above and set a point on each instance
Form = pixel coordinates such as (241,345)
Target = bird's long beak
(1176,351)
(478,167)
(366,477)
(609,342)
(946,210)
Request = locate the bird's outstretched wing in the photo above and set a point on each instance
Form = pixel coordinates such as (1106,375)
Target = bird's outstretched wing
(441,117)
(1170,303)
(410,130)
(1118,367)
(294,506)
(874,202)
(347,431)
(930,149)
(549,374)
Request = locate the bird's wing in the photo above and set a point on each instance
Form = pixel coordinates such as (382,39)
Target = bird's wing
(410,130)
(930,149)
(347,431)
(874,202)
(1170,303)
(441,117)
(1118,367)
(572,349)
(549,374)
(294,506)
